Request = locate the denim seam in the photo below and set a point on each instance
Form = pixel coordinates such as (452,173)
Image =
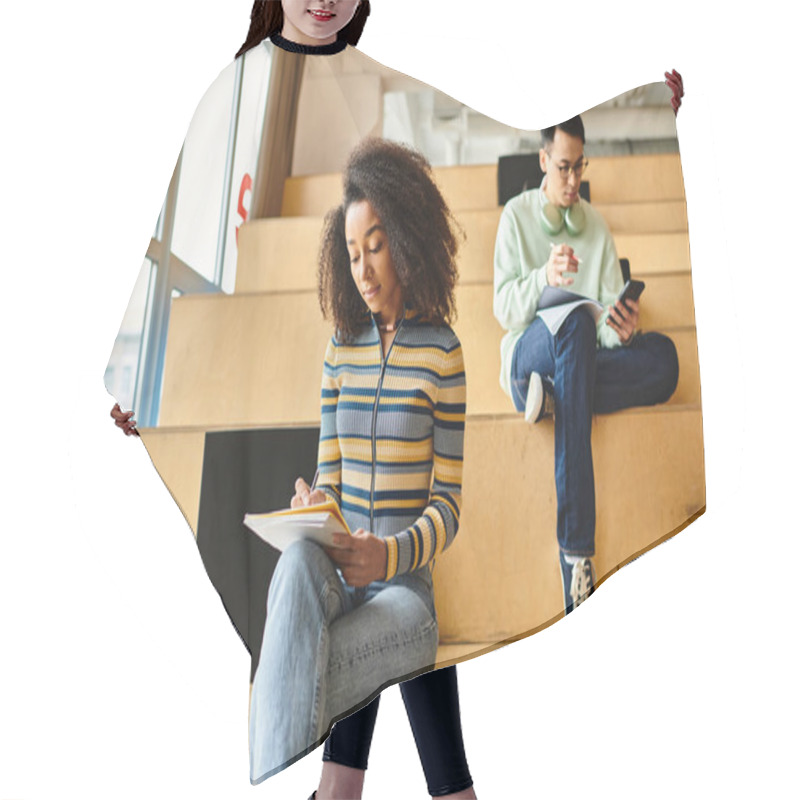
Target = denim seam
(327,592)
(373,648)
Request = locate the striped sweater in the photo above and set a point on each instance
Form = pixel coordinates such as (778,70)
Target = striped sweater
(392,438)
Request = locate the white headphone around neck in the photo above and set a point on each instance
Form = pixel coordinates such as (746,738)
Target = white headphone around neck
(554,219)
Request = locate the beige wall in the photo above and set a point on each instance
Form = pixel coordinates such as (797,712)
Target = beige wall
(336,111)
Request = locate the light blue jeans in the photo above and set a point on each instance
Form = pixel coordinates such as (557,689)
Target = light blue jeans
(328,648)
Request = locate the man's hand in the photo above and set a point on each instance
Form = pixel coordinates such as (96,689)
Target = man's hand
(675,83)
(562,260)
(361,557)
(303,496)
(124,420)
(624,320)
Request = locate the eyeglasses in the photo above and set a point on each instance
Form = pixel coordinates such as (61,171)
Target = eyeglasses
(578,168)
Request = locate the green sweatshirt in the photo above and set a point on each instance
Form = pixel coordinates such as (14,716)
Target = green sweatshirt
(521,252)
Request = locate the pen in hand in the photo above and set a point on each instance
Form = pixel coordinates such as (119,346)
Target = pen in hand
(303,492)
(576,257)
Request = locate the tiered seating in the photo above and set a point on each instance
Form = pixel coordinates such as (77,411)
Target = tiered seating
(614,179)
(254,359)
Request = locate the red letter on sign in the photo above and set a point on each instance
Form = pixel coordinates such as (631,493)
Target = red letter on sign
(247,185)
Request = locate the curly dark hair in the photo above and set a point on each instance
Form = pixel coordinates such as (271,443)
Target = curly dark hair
(423,236)
(266,19)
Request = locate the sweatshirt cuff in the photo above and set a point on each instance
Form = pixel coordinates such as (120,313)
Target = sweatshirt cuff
(606,336)
(541,278)
(391,557)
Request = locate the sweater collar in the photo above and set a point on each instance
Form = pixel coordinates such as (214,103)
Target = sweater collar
(308,49)
(409,315)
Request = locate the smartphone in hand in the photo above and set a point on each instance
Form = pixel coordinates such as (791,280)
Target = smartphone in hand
(632,290)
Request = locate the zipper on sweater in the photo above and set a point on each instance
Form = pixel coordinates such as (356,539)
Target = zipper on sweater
(384,361)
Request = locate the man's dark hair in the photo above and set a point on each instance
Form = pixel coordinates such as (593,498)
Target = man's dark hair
(573,127)
(422,234)
(266,19)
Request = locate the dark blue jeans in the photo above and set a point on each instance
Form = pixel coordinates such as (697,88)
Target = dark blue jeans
(431,701)
(587,380)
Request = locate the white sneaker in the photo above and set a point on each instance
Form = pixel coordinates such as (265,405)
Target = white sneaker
(540,402)
(534,402)
(577,580)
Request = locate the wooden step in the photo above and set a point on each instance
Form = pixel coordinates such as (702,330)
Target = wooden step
(664,216)
(636,178)
(280,254)
(613,179)
(667,304)
(648,253)
(467,187)
(500,579)
(241,360)
(177,454)
(257,359)
(653,253)
(455,653)
(481,334)
(481,337)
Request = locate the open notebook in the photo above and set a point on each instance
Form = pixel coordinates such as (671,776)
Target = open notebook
(281,528)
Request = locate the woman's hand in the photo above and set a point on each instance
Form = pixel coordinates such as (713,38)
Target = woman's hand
(303,496)
(624,320)
(361,557)
(675,82)
(124,420)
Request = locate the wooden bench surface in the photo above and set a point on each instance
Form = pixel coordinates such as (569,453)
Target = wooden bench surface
(257,359)
(500,578)
(613,179)
(280,254)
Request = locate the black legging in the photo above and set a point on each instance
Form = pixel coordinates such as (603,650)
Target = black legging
(431,702)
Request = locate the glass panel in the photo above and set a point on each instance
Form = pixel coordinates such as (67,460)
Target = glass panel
(174,293)
(158,233)
(123,373)
(449,133)
(255,82)
(445,130)
(199,201)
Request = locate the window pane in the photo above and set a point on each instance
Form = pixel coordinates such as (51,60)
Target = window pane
(123,373)
(204,169)
(199,202)
(255,82)
(158,233)
(156,405)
